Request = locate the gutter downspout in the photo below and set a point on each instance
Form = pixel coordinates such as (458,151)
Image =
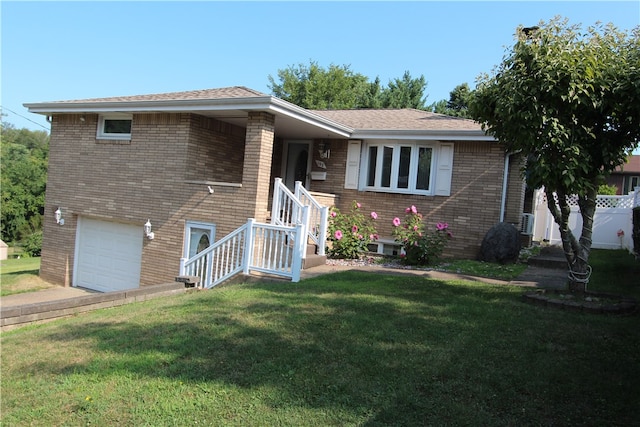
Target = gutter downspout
(505,179)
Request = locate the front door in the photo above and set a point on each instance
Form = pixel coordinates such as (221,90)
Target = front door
(198,237)
(297,164)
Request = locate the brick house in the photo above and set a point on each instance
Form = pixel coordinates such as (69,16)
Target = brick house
(195,165)
(626,177)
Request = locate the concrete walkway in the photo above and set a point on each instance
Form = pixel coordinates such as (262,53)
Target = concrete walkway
(21,309)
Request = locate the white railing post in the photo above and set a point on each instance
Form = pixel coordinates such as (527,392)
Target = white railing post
(209,279)
(322,236)
(636,197)
(296,265)
(296,191)
(248,246)
(182,266)
(275,206)
(304,221)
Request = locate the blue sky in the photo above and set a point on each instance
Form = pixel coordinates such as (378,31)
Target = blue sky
(73,50)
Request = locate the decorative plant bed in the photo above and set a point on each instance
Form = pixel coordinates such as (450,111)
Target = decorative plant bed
(590,302)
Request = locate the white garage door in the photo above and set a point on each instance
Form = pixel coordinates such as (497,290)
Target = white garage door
(108,255)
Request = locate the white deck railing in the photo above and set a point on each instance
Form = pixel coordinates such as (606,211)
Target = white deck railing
(277,248)
(266,248)
(289,209)
(318,217)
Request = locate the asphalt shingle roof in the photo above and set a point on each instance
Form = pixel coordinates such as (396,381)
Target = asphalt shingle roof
(397,119)
(359,119)
(219,93)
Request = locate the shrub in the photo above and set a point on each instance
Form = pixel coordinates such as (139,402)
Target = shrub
(350,233)
(421,247)
(607,190)
(32,245)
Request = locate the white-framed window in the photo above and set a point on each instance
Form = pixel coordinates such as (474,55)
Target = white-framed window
(399,167)
(115,126)
(408,167)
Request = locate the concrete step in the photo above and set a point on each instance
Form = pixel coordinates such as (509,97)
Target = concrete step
(314,261)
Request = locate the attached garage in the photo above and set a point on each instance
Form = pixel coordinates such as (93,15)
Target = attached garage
(108,255)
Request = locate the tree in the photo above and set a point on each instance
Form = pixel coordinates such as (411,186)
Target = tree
(338,87)
(317,88)
(569,102)
(24,176)
(458,103)
(405,93)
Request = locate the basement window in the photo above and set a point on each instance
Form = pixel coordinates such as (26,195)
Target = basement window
(115,126)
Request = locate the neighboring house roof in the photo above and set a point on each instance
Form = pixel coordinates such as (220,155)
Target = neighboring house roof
(232,104)
(632,166)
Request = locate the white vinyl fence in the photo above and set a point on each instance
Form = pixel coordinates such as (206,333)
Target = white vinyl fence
(612,222)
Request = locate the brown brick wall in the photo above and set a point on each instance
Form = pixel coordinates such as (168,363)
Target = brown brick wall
(258,156)
(215,151)
(161,174)
(472,208)
(515,192)
(158,175)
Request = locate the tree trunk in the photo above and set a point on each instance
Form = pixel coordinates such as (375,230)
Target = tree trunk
(576,251)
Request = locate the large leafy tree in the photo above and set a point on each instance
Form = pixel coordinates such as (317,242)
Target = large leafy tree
(315,87)
(338,87)
(24,177)
(569,101)
(406,92)
(458,103)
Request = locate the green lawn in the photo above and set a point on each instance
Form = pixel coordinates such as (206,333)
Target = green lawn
(18,275)
(347,349)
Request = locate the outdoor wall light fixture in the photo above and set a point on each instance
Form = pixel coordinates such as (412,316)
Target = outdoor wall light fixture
(324,148)
(58,216)
(147,230)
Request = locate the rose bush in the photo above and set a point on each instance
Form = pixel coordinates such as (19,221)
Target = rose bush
(421,247)
(350,233)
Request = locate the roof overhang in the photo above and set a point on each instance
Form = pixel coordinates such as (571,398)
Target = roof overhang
(292,121)
(424,135)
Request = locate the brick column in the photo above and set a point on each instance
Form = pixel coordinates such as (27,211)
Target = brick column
(256,176)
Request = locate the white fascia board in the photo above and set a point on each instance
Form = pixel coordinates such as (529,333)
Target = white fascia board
(424,135)
(291,110)
(251,103)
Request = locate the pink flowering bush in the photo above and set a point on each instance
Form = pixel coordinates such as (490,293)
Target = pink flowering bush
(421,246)
(350,233)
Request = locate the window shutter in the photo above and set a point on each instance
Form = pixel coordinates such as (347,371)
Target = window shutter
(353,165)
(444,170)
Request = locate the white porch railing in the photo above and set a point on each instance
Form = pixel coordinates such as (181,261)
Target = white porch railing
(289,209)
(267,248)
(318,217)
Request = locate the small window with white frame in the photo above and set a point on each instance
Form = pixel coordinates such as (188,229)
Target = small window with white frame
(399,167)
(115,126)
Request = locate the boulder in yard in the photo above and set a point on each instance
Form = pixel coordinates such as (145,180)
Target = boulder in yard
(501,244)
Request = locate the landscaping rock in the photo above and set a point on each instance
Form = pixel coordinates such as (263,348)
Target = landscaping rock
(501,244)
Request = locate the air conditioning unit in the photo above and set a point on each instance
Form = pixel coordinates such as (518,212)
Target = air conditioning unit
(526,225)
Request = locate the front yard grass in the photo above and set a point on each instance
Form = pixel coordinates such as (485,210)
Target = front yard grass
(19,275)
(346,349)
